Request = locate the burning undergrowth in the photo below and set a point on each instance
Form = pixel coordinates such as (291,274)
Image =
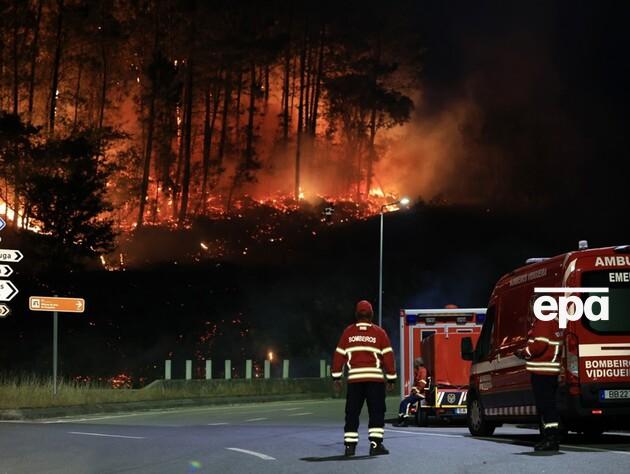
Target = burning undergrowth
(255,230)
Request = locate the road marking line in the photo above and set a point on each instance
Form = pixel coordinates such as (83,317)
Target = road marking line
(264,405)
(424,433)
(217,424)
(586,448)
(253,453)
(301,414)
(105,435)
(291,409)
(256,419)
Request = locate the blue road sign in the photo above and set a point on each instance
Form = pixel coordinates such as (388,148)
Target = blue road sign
(2,223)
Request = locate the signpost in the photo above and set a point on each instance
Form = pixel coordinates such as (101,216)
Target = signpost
(10,255)
(56,305)
(5,271)
(7,290)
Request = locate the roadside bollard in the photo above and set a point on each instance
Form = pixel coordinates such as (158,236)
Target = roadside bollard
(208,370)
(267,369)
(322,369)
(248,369)
(285,369)
(189,370)
(228,369)
(167,370)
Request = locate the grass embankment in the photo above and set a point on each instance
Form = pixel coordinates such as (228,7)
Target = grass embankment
(37,393)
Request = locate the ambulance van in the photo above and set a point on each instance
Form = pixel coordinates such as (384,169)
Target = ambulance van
(594,381)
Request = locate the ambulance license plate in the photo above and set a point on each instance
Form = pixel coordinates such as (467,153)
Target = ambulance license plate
(614,394)
(460,411)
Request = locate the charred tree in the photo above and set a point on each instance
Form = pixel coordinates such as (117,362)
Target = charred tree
(54,83)
(33,58)
(187,137)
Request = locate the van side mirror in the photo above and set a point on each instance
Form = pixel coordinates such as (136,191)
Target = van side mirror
(467,349)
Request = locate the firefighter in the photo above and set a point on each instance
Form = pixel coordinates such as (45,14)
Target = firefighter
(542,356)
(367,352)
(417,391)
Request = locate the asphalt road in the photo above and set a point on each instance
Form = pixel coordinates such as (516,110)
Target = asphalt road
(280,437)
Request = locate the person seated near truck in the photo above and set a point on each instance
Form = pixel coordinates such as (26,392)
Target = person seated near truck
(417,392)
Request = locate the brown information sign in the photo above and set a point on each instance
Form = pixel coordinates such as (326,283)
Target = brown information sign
(62,305)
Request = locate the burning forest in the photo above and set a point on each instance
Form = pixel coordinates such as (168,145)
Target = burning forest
(198,110)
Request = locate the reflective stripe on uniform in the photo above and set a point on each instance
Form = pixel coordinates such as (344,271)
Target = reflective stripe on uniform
(555,370)
(365,369)
(366,376)
(377,433)
(544,339)
(337,374)
(341,351)
(363,348)
(550,425)
(386,350)
(390,377)
(550,364)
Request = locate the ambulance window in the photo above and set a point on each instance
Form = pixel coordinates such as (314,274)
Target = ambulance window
(618,284)
(484,344)
(464,330)
(425,334)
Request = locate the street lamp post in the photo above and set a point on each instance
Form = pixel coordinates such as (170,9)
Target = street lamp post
(402,202)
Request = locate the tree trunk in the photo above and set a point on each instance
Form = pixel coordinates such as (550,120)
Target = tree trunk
(103,98)
(244,168)
(318,83)
(16,57)
(297,190)
(187,143)
(373,117)
(237,111)
(147,157)
(208,131)
(77,93)
(34,54)
(224,121)
(266,84)
(285,94)
(54,83)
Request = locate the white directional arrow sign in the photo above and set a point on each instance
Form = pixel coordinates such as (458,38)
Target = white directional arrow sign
(5,271)
(2,223)
(4,310)
(7,290)
(10,255)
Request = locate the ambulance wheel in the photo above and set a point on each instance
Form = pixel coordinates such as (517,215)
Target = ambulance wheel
(422,417)
(592,433)
(478,425)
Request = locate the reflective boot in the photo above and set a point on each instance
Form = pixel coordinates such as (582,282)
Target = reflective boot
(402,421)
(377,449)
(350,449)
(549,442)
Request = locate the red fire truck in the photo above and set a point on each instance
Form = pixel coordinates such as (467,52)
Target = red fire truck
(594,381)
(436,335)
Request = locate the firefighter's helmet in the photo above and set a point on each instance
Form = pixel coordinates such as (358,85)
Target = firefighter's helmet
(364,310)
(419,362)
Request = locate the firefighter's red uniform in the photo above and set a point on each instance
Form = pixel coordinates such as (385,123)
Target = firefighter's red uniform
(366,351)
(542,355)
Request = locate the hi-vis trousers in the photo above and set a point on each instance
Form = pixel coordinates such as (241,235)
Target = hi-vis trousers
(374,394)
(545,388)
